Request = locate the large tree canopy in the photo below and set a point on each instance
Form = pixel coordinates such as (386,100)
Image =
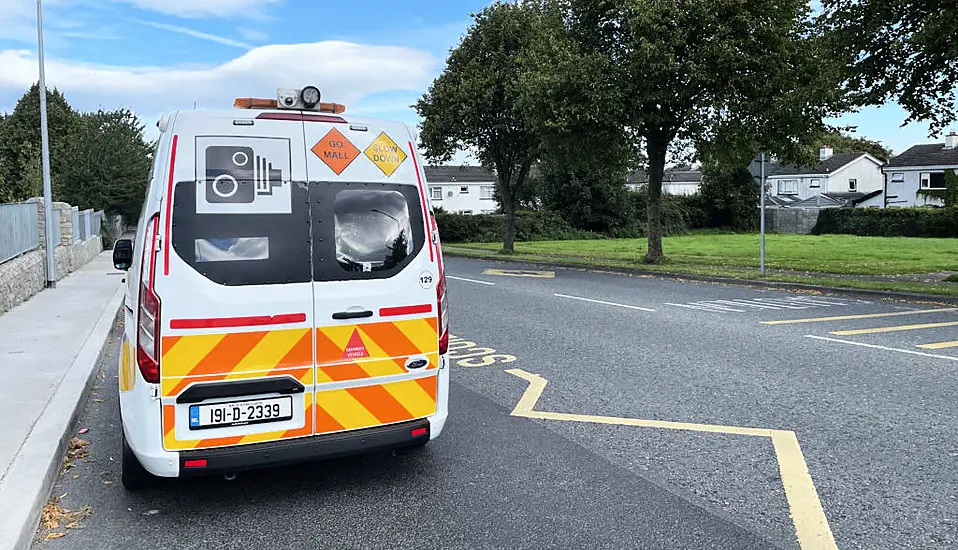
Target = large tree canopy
(725,76)
(902,49)
(474,103)
(97,160)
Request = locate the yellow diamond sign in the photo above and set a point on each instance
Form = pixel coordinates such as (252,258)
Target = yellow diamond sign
(385,154)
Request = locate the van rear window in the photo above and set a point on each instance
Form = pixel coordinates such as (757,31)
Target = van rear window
(241,248)
(376,230)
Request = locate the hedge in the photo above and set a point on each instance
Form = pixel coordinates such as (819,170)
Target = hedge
(541,225)
(888,222)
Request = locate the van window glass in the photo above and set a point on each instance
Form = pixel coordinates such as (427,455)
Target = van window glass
(241,248)
(231,249)
(375,229)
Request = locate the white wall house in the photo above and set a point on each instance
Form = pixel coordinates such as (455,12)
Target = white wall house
(853,178)
(675,181)
(462,189)
(921,167)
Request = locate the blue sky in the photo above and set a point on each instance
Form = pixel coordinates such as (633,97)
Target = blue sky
(377,56)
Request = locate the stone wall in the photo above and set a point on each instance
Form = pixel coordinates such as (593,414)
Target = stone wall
(21,278)
(26,275)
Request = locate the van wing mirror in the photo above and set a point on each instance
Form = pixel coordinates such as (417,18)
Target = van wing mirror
(123,254)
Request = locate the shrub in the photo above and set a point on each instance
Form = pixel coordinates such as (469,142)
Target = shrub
(889,222)
(535,225)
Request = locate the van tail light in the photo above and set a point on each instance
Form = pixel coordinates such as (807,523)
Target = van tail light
(441,298)
(148,316)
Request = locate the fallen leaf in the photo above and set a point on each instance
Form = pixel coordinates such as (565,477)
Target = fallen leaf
(83,431)
(76,476)
(72,525)
(51,536)
(151,512)
(105,482)
(98,401)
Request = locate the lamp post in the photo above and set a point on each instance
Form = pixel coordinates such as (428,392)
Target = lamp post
(45,152)
(762,222)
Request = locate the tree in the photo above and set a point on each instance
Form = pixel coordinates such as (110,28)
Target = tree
(726,76)
(842,143)
(730,198)
(474,104)
(902,49)
(109,164)
(20,141)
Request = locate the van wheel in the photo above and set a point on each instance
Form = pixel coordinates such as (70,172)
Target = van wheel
(132,474)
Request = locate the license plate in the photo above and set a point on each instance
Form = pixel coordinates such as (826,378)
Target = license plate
(238,413)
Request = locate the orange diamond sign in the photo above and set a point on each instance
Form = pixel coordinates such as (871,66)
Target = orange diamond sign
(336,151)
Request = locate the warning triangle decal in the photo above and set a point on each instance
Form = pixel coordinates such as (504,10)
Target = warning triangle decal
(356,348)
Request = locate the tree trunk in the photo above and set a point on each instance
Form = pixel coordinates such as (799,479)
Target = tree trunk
(656,147)
(509,241)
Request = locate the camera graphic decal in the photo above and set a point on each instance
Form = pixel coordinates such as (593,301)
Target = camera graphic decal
(242,175)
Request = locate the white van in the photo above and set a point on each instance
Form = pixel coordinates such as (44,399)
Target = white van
(286,299)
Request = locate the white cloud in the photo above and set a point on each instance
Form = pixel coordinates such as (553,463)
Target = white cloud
(345,72)
(195,34)
(253,35)
(204,8)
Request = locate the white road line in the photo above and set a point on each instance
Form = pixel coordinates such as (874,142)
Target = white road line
(785,303)
(707,307)
(873,346)
(471,280)
(604,303)
(746,303)
(819,301)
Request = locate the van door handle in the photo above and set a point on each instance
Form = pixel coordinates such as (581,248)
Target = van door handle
(340,315)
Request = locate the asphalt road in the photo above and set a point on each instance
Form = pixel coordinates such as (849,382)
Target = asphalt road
(873,414)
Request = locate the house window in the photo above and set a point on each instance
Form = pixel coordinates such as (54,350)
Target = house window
(788,187)
(485,192)
(464,190)
(815,183)
(435,193)
(933,180)
(897,177)
(853,185)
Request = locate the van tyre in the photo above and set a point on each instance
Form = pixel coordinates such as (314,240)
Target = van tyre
(132,474)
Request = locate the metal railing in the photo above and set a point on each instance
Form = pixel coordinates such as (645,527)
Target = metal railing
(84,223)
(76,223)
(55,228)
(18,229)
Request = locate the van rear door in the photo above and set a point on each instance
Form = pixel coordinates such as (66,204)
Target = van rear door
(374,277)
(234,280)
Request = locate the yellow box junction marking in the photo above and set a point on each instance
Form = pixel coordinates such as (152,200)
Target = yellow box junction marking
(385,154)
(808,516)
(852,317)
(521,273)
(898,328)
(940,345)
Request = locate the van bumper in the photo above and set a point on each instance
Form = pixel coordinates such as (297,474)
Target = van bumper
(293,451)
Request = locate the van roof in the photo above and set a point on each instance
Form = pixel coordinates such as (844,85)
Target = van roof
(252,114)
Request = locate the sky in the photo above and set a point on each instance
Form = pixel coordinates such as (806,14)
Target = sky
(153,56)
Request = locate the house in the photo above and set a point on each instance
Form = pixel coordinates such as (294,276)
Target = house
(675,181)
(920,169)
(837,179)
(462,189)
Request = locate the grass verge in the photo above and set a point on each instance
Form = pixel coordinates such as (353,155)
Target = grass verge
(746,273)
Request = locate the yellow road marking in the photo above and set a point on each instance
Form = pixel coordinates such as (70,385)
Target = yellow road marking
(808,516)
(897,328)
(521,273)
(851,317)
(940,345)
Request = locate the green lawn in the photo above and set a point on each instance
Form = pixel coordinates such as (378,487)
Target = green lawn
(843,254)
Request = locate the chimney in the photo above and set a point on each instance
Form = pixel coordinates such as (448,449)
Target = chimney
(951,140)
(825,153)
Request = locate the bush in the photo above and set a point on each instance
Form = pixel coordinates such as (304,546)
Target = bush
(537,225)
(889,222)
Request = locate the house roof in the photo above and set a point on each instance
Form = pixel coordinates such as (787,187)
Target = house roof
(831,164)
(819,201)
(931,154)
(755,168)
(458,174)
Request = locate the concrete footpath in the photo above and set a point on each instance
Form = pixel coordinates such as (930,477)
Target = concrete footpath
(49,348)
